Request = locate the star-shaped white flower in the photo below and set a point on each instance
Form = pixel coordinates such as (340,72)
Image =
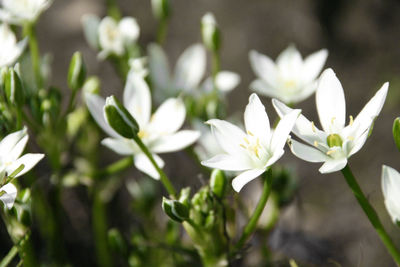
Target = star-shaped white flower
(22,11)
(391,192)
(253,151)
(114,37)
(290,79)
(337,142)
(159,132)
(10,49)
(11,147)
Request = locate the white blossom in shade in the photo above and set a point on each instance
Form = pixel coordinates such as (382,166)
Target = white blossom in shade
(158,131)
(22,11)
(225,81)
(90,23)
(10,49)
(11,148)
(391,192)
(114,37)
(336,142)
(253,151)
(188,73)
(290,79)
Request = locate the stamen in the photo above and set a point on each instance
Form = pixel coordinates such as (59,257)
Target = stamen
(246,140)
(330,152)
(313,127)
(333,120)
(243,146)
(351,138)
(351,120)
(315,143)
(250,133)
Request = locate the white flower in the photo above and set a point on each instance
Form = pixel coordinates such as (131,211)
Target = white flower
(159,132)
(22,11)
(11,147)
(391,192)
(253,151)
(114,37)
(10,50)
(291,79)
(225,81)
(337,142)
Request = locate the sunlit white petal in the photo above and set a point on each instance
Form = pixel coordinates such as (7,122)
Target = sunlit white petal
(175,142)
(144,164)
(8,198)
(333,165)
(242,179)
(169,117)
(28,160)
(391,192)
(256,119)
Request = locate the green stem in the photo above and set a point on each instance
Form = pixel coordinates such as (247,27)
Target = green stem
(115,167)
(113,9)
(371,213)
(251,225)
(163,177)
(162,31)
(29,30)
(9,257)
(71,102)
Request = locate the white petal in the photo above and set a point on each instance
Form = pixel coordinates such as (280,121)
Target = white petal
(110,38)
(333,165)
(10,141)
(90,24)
(16,150)
(275,156)
(281,133)
(190,67)
(129,29)
(313,65)
(95,105)
(391,191)
(228,136)
(144,164)
(330,100)
(303,128)
(10,194)
(159,68)
(226,80)
(263,67)
(28,160)
(119,145)
(289,61)
(227,163)
(174,142)
(137,99)
(256,119)
(242,179)
(169,117)
(263,88)
(307,153)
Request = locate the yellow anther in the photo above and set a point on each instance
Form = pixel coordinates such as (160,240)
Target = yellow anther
(330,152)
(351,120)
(315,143)
(290,83)
(142,134)
(351,138)
(313,127)
(250,133)
(256,152)
(246,140)
(333,120)
(243,146)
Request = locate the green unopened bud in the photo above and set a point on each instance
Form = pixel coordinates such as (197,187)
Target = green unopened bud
(334,140)
(3,75)
(175,210)
(396,132)
(13,88)
(92,85)
(119,118)
(76,72)
(210,32)
(184,197)
(160,9)
(218,183)
(116,241)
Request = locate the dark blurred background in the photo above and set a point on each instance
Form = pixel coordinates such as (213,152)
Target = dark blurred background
(324,223)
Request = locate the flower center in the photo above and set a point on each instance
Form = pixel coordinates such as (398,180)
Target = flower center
(290,83)
(334,140)
(254,147)
(142,134)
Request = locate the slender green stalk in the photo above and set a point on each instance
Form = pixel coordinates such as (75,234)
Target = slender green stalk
(29,31)
(71,102)
(251,225)
(163,177)
(371,213)
(216,65)
(162,31)
(9,257)
(113,9)
(115,167)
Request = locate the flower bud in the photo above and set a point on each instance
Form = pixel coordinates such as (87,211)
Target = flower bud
(76,72)
(160,9)
(13,88)
(119,118)
(210,32)
(218,183)
(396,132)
(175,210)
(116,241)
(184,197)
(92,85)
